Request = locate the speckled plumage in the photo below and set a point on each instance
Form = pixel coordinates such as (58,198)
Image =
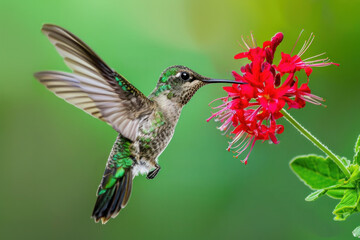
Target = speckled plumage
(145,124)
(155,129)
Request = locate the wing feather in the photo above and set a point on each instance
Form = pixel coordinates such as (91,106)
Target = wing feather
(93,86)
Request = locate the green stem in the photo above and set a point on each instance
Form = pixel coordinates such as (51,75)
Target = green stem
(316,142)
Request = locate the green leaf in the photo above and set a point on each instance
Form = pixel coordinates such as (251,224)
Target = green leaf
(345,161)
(347,205)
(356,232)
(317,172)
(357,152)
(355,173)
(336,193)
(315,195)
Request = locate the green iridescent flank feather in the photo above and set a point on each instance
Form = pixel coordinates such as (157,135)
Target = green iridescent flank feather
(124,162)
(170,95)
(158,121)
(121,160)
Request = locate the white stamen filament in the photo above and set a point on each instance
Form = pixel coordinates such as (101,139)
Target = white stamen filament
(324,60)
(314,96)
(315,56)
(244,147)
(242,45)
(311,39)
(220,106)
(222,98)
(252,146)
(310,100)
(242,37)
(237,138)
(227,130)
(302,48)
(226,115)
(321,64)
(297,40)
(253,40)
(237,146)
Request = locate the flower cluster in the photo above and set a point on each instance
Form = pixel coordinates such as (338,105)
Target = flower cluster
(250,111)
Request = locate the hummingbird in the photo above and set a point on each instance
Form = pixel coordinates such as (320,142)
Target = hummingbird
(145,125)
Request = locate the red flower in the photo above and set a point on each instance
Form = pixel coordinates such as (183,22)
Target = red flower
(251,110)
(292,64)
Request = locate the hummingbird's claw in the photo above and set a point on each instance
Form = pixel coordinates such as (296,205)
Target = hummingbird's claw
(153,173)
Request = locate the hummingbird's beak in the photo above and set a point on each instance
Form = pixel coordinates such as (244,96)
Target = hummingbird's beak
(221,81)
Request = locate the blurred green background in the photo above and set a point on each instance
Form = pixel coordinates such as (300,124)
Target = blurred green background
(53,155)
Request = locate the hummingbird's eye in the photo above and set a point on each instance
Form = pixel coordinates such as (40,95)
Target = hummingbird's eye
(185,76)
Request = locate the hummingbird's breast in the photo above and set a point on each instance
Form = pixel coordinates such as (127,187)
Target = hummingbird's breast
(156,131)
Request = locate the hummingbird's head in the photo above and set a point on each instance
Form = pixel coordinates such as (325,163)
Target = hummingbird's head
(179,84)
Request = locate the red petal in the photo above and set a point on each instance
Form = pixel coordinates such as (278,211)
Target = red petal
(278,115)
(266,44)
(264,103)
(269,55)
(237,76)
(273,138)
(241,55)
(280,129)
(273,105)
(231,89)
(308,71)
(276,40)
(277,80)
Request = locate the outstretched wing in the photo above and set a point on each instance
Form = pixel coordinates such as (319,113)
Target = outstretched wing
(93,86)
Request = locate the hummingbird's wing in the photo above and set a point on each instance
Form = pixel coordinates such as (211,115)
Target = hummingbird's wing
(93,86)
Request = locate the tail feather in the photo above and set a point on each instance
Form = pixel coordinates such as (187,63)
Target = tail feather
(109,203)
(118,200)
(118,197)
(127,192)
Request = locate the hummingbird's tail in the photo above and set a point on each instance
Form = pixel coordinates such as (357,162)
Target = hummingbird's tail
(115,187)
(111,200)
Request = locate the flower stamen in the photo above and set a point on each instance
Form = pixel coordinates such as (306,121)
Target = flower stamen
(297,40)
(250,111)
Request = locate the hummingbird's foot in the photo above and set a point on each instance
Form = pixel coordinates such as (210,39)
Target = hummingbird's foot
(153,173)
